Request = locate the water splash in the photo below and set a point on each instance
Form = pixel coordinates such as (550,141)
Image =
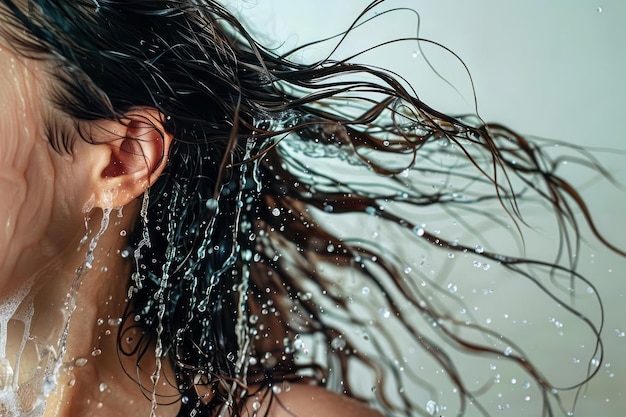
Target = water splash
(160,294)
(145,238)
(43,380)
(243,226)
(17,308)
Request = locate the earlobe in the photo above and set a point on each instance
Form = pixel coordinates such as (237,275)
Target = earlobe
(133,153)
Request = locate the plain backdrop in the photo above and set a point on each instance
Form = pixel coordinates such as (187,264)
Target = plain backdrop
(555,69)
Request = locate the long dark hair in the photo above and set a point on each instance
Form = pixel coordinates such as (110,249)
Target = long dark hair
(241,277)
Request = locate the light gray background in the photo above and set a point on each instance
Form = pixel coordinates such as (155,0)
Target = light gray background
(548,68)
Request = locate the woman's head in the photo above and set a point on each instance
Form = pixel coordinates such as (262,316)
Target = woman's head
(159,96)
(55,177)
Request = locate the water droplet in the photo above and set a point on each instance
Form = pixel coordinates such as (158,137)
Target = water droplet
(102,387)
(298,344)
(431,407)
(452,287)
(338,343)
(407,270)
(479,249)
(508,351)
(96,352)
(418,231)
(365,290)
(122,232)
(620,333)
(384,312)
(211,204)
(276,389)
(415,54)
(114,321)
(256,405)
(599,9)
(80,362)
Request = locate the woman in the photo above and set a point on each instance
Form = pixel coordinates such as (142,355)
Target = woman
(167,250)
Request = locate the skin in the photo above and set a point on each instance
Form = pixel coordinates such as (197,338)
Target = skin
(48,198)
(27,213)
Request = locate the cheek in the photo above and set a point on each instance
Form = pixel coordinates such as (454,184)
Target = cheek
(26,170)
(25,205)
(36,207)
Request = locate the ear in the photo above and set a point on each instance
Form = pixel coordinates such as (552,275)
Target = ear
(128,155)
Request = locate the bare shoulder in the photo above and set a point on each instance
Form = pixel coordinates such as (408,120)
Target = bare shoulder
(310,401)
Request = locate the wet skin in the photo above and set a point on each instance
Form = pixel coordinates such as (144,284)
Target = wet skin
(45,200)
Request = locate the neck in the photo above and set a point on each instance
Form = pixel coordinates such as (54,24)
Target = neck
(82,286)
(61,337)
(64,316)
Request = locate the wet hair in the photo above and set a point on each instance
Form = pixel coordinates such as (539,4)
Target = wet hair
(242,273)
